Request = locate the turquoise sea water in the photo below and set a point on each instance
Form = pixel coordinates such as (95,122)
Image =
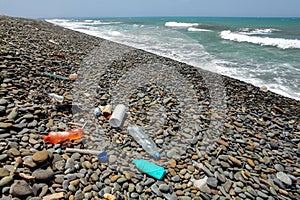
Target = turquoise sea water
(261,51)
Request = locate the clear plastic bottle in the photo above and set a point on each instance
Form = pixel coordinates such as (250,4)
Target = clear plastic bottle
(56,97)
(143,139)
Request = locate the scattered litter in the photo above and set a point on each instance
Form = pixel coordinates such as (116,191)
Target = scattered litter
(56,76)
(56,97)
(149,168)
(83,151)
(59,55)
(103,156)
(75,124)
(53,42)
(143,139)
(73,77)
(117,117)
(106,111)
(56,137)
(97,111)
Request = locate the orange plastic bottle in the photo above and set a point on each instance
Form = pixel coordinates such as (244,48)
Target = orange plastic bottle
(56,137)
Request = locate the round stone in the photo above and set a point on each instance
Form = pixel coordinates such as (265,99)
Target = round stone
(4,172)
(279,167)
(20,188)
(43,175)
(283,177)
(40,156)
(211,181)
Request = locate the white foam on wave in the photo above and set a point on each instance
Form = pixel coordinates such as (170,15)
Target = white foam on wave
(192,29)
(114,33)
(79,24)
(277,85)
(264,41)
(258,31)
(180,24)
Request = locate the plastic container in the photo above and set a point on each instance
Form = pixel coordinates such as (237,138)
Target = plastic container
(117,117)
(56,137)
(151,169)
(143,139)
(56,97)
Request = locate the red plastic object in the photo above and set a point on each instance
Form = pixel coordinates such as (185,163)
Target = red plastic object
(56,137)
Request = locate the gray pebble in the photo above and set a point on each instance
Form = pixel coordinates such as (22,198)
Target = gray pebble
(283,177)
(213,182)
(149,182)
(43,175)
(237,190)
(164,188)
(175,178)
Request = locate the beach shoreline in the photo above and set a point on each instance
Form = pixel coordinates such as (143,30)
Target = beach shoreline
(223,132)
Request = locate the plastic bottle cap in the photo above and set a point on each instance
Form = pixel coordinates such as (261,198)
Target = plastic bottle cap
(46,138)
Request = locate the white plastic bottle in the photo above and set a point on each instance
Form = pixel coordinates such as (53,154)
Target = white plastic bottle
(143,139)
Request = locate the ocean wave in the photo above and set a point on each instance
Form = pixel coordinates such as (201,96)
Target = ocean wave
(114,33)
(258,31)
(192,29)
(263,41)
(180,24)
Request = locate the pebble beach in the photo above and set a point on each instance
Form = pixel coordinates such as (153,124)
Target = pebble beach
(218,137)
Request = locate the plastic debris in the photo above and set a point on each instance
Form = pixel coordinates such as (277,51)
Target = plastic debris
(53,42)
(97,111)
(103,156)
(56,137)
(151,169)
(117,117)
(83,151)
(143,139)
(106,111)
(56,97)
(60,55)
(73,77)
(56,76)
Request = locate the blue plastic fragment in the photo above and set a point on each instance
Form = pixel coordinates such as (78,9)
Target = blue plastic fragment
(151,169)
(103,156)
(97,111)
(56,76)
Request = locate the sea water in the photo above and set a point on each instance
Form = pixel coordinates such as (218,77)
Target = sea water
(261,51)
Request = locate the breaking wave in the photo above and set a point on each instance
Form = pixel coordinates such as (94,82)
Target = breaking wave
(263,41)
